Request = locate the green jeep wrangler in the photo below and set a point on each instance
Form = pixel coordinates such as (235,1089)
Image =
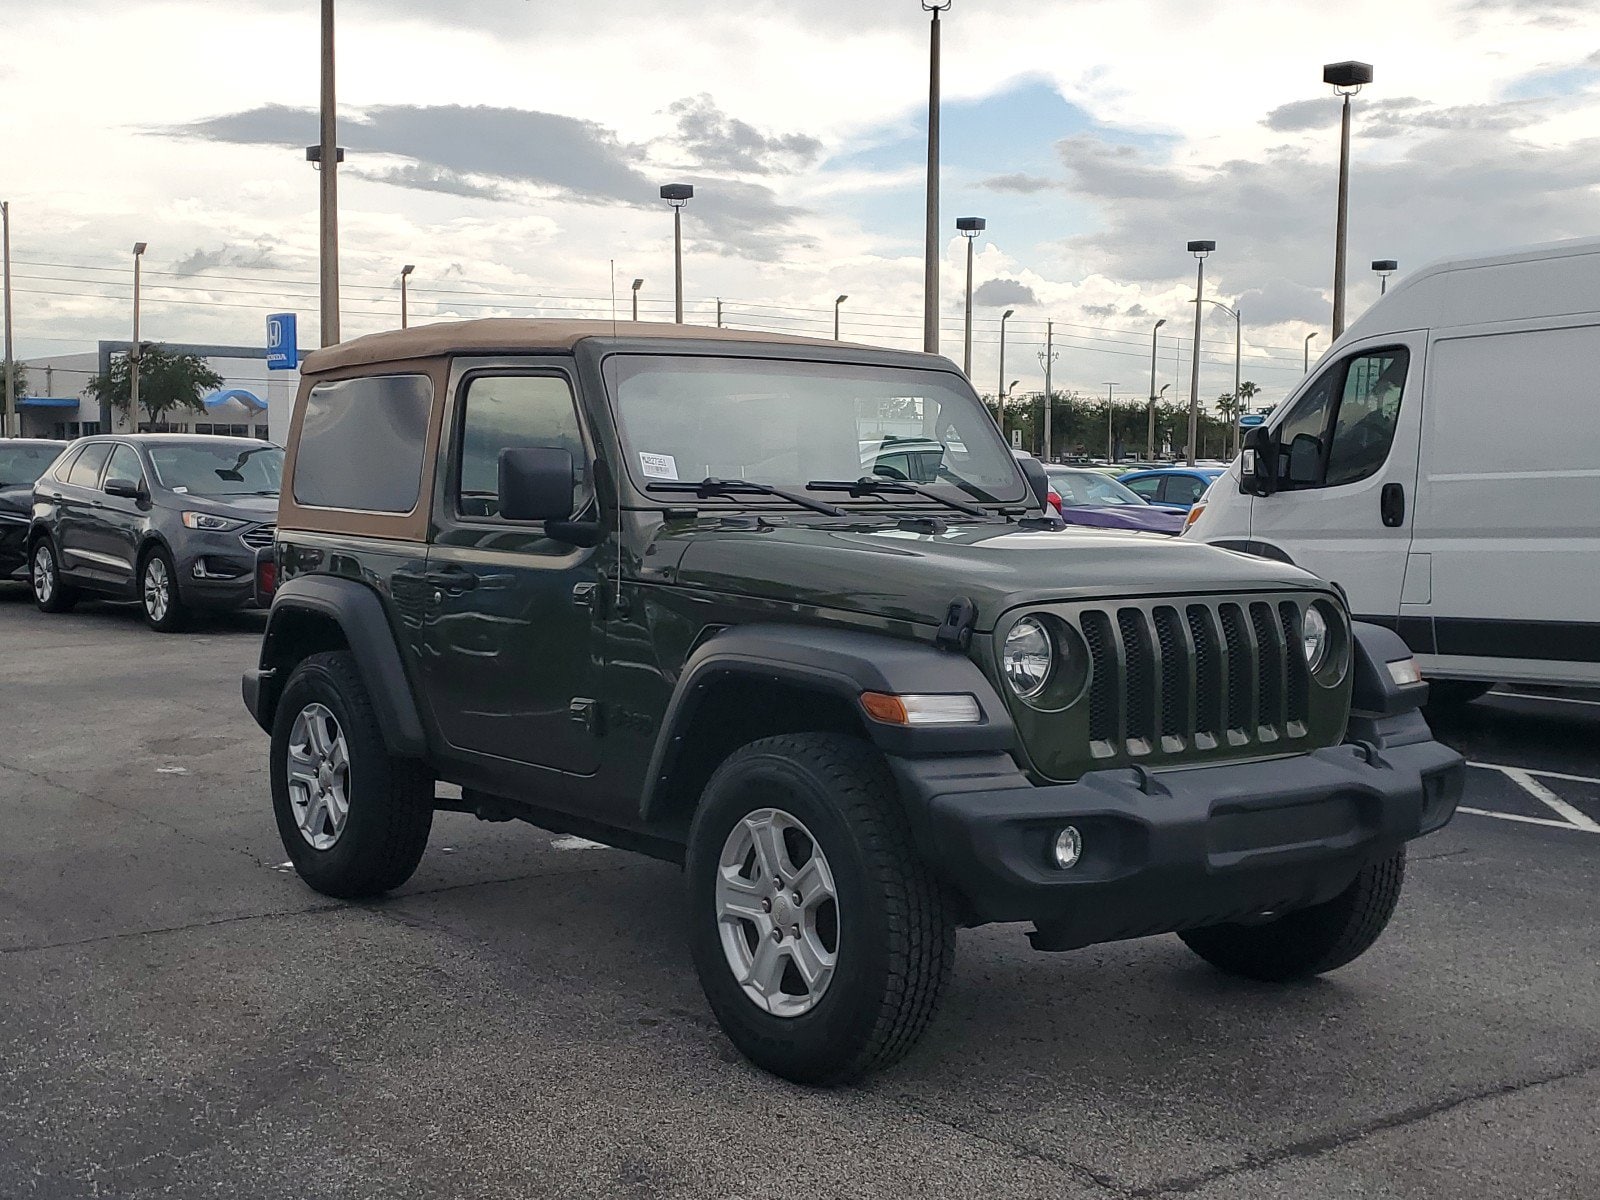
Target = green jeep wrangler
(791,614)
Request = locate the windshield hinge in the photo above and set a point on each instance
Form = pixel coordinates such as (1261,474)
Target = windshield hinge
(955,633)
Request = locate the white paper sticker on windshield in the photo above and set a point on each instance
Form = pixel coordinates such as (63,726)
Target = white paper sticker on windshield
(180,489)
(658,466)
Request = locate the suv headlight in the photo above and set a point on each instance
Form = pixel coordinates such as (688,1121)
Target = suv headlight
(1027,658)
(1314,640)
(211,522)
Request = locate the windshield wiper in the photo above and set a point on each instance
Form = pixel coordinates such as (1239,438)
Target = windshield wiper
(871,486)
(708,488)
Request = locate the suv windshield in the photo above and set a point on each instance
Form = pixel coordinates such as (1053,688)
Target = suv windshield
(24,464)
(219,468)
(786,423)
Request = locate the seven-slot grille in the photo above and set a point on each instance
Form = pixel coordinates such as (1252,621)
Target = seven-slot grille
(1171,676)
(260,537)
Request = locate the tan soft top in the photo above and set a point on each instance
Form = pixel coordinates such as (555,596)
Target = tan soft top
(511,335)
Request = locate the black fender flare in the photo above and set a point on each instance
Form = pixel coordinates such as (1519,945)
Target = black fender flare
(1256,549)
(1374,692)
(358,612)
(839,663)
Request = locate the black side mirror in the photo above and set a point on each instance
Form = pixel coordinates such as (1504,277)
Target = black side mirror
(1305,459)
(126,488)
(536,484)
(1258,466)
(1033,471)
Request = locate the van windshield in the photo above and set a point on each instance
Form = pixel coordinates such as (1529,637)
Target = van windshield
(787,423)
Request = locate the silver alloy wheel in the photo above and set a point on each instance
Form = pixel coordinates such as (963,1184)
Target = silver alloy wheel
(44,573)
(319,776)
(777,912)
(157,588)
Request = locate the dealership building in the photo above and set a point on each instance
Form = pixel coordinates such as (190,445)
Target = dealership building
(252,401)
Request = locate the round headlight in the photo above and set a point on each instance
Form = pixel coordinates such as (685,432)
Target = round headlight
(1027,658)
(1314,639)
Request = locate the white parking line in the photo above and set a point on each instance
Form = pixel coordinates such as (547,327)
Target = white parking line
(1500,816)
(575,843)
(1523,777)
(1546,699)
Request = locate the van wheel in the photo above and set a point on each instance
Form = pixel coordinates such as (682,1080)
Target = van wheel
(821,939)
(44,572)
(1308,941)
(354,819)
(163,608)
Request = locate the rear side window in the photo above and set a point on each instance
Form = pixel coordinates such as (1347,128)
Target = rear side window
(85,472)
(362,442)
(1146,487)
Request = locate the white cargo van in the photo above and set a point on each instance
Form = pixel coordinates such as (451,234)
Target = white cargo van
(1441,464)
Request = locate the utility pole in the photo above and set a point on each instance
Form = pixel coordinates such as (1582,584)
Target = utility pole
(930,281)
(1111,455)
(719,312)
(137,351)
(328,164)
(1150,433)
(6,413)
(1049,358)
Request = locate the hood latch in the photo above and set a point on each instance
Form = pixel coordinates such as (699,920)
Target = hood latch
(955,633)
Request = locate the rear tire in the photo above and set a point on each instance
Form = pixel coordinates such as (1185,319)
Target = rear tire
(163,608)
(887,946)
(354,819)
(1309,941)
(44,574)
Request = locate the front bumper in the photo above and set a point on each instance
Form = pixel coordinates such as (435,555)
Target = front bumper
(13,546)
(1174,849)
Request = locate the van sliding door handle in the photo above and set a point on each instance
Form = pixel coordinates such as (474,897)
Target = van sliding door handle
(1392,505)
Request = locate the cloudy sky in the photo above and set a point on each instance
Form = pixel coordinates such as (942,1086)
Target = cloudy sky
(513,149)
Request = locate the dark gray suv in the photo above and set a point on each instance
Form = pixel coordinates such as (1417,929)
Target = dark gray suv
(178,523)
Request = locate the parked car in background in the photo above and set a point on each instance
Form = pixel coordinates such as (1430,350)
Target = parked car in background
(22,460)
(1177,488)
(1091,497)
(178,523)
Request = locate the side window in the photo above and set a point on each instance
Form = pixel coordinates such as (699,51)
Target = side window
(1368,410)
(85,472)
(362,443)
(1185,489)
(63,466)
(1148,488)
(503,411)
(125,464)
(1307,425)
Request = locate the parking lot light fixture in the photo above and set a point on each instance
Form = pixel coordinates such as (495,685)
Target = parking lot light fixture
(1307,349)
(637,284)
(1384,267)
(1001,399)
(970,228)
(836,305)
(1346,78)
(405,274)
(135,352)
(1150,430)
(930,249)
(677,195)
(1199,249)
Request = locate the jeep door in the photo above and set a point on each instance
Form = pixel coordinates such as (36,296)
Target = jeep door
(510,641)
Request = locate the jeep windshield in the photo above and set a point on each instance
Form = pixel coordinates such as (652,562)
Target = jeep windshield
(786,423)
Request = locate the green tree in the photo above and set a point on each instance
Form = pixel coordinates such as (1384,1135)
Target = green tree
(167,381)
(19,378)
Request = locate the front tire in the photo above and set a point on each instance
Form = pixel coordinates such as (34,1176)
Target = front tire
(44,573)
(846,980)
(1308,941)
(354,819)
(163,608)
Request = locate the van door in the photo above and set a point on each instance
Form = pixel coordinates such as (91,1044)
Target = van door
(1347,474)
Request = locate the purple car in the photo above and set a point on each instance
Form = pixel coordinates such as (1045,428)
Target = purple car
(1094,498)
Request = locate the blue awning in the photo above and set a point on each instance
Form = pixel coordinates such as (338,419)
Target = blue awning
(46,402)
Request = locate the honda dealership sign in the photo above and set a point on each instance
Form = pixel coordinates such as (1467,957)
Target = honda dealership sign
(283,348)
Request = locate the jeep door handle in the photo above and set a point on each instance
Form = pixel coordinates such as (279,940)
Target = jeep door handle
(452,579)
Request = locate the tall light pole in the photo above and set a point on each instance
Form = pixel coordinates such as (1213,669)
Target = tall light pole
(930,280)
(328,155)
(136,352)
(677,195)
(405,273)
(637,284)
(1199,250)
(836,305)
(1001,405)
(1238,343)
(1384,267)
(1111,456)
(1346,78)
(1307,349)
(10,407)
(970,228)
(1150,432)
(1048,357)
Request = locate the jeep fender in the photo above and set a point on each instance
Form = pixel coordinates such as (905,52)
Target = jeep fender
(358,613)
(840,664)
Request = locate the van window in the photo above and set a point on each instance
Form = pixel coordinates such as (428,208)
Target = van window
(502,411)
(361,444)
(1347,417)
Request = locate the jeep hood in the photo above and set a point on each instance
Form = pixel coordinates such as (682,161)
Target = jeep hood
(905,575)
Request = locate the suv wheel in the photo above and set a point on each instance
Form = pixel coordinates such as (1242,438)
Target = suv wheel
(44,570)
(354,820)
(158,592)
(1311,940)
(821,939)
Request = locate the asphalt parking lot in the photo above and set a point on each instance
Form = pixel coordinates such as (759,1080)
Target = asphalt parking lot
(180,1016)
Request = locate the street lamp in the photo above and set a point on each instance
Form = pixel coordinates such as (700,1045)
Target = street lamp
(1004,317)
(637,284)
(1347,79)
(677,195)
(405,273)
(1199,250)
(1237,359)
(135,352)
(930,249)
(970,228)
(836,305)
(327,160)
(10,397)
(1307,349)
(1385,267)
(1111,456)
(1150,432)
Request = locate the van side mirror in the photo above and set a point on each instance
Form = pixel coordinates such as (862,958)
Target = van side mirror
(1305,458)
(1258,467)
(1033,471)
(536,484)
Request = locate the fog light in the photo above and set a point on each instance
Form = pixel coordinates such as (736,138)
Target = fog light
(1068,848)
